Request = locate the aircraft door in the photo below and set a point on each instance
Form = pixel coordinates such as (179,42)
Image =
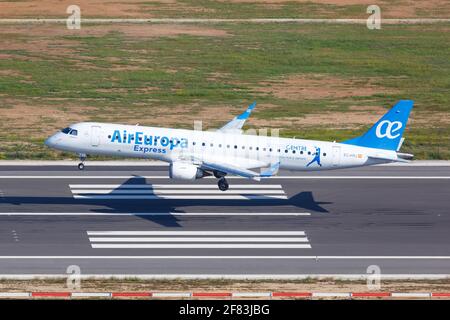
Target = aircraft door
(336,156)
(95,136)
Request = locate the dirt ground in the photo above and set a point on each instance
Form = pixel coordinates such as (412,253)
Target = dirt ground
(317,86)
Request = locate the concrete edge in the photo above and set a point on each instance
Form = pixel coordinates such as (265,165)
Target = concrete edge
(118,163)
(350,277)
(226,294)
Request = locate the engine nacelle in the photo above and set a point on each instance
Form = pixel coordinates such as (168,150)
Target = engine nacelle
(185,171)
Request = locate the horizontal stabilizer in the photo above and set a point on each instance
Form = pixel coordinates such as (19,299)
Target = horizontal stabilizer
(396,159)
(405,156)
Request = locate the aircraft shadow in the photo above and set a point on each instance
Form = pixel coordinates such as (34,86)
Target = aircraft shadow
(304,200)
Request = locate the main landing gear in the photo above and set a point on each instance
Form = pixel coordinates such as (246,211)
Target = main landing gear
(223,184)
(81,164)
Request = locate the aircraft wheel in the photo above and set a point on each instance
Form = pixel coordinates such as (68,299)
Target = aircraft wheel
(81,166)
(223,184)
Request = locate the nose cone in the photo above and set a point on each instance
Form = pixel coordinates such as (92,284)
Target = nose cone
(51,141)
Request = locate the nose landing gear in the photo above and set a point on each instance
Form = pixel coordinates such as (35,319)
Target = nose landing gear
(81,164)
(223,184)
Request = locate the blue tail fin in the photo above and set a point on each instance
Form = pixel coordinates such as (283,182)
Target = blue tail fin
(387,132)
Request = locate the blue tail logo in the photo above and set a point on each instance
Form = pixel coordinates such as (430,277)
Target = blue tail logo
(388,129)
(387,132)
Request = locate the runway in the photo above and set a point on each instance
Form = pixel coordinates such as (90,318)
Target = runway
(134,221)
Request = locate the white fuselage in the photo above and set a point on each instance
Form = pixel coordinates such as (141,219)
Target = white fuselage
(247,151)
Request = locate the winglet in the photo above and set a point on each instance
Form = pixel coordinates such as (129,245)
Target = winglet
(246,114)
(271,171)
(237,123)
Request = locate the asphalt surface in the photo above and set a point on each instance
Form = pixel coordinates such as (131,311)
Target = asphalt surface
(136,221)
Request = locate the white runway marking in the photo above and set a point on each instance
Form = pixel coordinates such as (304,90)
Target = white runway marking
(155,214)
(196,239)
(200,246)
(172,186)
(181,197)
(176,191)
(200,240)
(197,233)
(155,192)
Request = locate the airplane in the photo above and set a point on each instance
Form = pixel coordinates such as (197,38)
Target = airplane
(194,154)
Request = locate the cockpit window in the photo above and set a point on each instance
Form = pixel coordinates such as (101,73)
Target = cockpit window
(70,131)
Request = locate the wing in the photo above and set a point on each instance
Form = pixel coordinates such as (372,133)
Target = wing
(237,123)
(239,171)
